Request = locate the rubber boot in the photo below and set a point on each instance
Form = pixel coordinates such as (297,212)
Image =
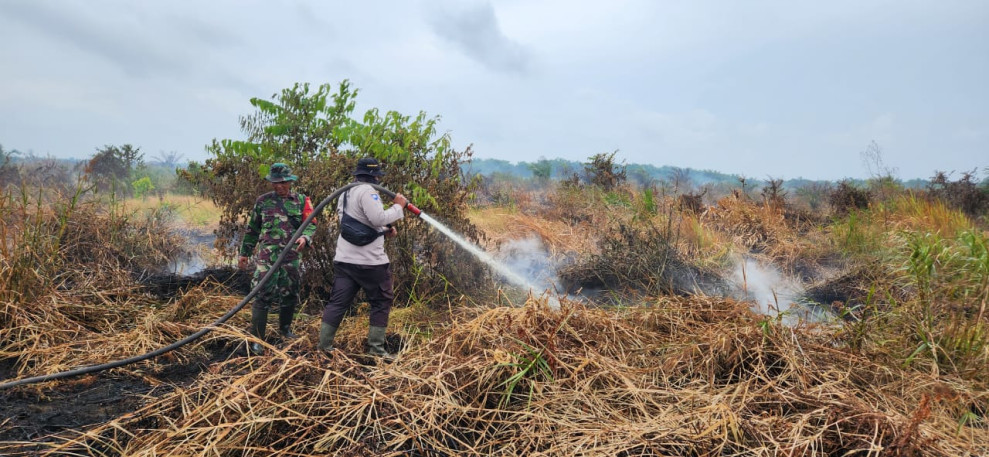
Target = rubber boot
(285,323)
(326,334)
(259,321)
(376,343)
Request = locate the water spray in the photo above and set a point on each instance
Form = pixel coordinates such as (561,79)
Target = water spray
(500,268)
(481,254)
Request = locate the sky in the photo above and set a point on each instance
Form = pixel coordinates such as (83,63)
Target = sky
(781,89)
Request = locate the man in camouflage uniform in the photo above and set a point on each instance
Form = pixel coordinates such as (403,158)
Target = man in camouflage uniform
(275,217)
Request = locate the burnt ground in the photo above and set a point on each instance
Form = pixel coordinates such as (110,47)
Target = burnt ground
(168,285)
(848,294)
(33,416)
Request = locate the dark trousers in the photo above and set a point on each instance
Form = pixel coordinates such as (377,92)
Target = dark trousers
(374,280)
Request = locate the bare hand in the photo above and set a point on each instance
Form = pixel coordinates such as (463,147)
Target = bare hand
(242,263)
(300,243)
(400,200)
(391,233)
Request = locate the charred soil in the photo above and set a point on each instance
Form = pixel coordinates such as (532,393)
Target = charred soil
(38,415)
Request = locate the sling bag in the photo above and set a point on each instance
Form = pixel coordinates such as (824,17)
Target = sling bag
(355,231)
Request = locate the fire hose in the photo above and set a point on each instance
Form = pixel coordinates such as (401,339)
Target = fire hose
(264,279)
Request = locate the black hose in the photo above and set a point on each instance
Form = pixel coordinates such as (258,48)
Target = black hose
(278,262)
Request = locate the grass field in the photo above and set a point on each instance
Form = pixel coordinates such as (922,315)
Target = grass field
(901,369)
(190,211)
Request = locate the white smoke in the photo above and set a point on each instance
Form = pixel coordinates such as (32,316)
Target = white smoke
(771,292)
(529,258)
(519,274)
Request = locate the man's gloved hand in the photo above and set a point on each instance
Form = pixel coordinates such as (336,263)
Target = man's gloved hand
(242,263)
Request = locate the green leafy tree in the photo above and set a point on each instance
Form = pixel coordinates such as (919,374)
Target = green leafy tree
(316,132)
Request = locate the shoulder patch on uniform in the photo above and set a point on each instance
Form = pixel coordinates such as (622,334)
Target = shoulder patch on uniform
(374,196)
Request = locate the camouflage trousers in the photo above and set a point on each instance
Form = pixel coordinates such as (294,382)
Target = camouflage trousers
(282,288)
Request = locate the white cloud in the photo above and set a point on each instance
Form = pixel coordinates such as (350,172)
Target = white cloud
(763,87)
(474,29)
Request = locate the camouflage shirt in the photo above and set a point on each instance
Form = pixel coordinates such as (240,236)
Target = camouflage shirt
(273,221)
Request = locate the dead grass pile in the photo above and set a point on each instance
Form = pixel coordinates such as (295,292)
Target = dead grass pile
(682,377)
(788,238)
(640,258)
(88,326)
(108,243)
(69,294)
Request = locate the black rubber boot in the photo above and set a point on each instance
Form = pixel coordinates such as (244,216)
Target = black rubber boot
(326,334)
(259,322)
(376,343)
(285,316)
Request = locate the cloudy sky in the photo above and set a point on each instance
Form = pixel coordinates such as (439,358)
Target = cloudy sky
(760,88)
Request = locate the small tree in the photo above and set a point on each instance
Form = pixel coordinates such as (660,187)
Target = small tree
(773,193)
(963,194)
(142,187)
(541,170)
(111,167)
(882,178)
(602,171)
(9,173)
(847,197)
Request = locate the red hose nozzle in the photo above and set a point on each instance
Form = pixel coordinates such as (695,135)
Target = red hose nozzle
(412,208)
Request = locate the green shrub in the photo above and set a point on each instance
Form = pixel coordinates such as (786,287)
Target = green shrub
(316,132)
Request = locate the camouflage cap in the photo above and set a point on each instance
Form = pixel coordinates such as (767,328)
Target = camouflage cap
(279,172)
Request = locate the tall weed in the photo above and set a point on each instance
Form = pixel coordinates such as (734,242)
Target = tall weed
(32,232)
(948,315)
(857,235)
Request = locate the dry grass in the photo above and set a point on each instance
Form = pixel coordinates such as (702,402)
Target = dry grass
(681,377)
(69,294)
(907,212)
(695,376)
(701,242)
(559,237)
(93,325)
(191,211)
(789,239)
